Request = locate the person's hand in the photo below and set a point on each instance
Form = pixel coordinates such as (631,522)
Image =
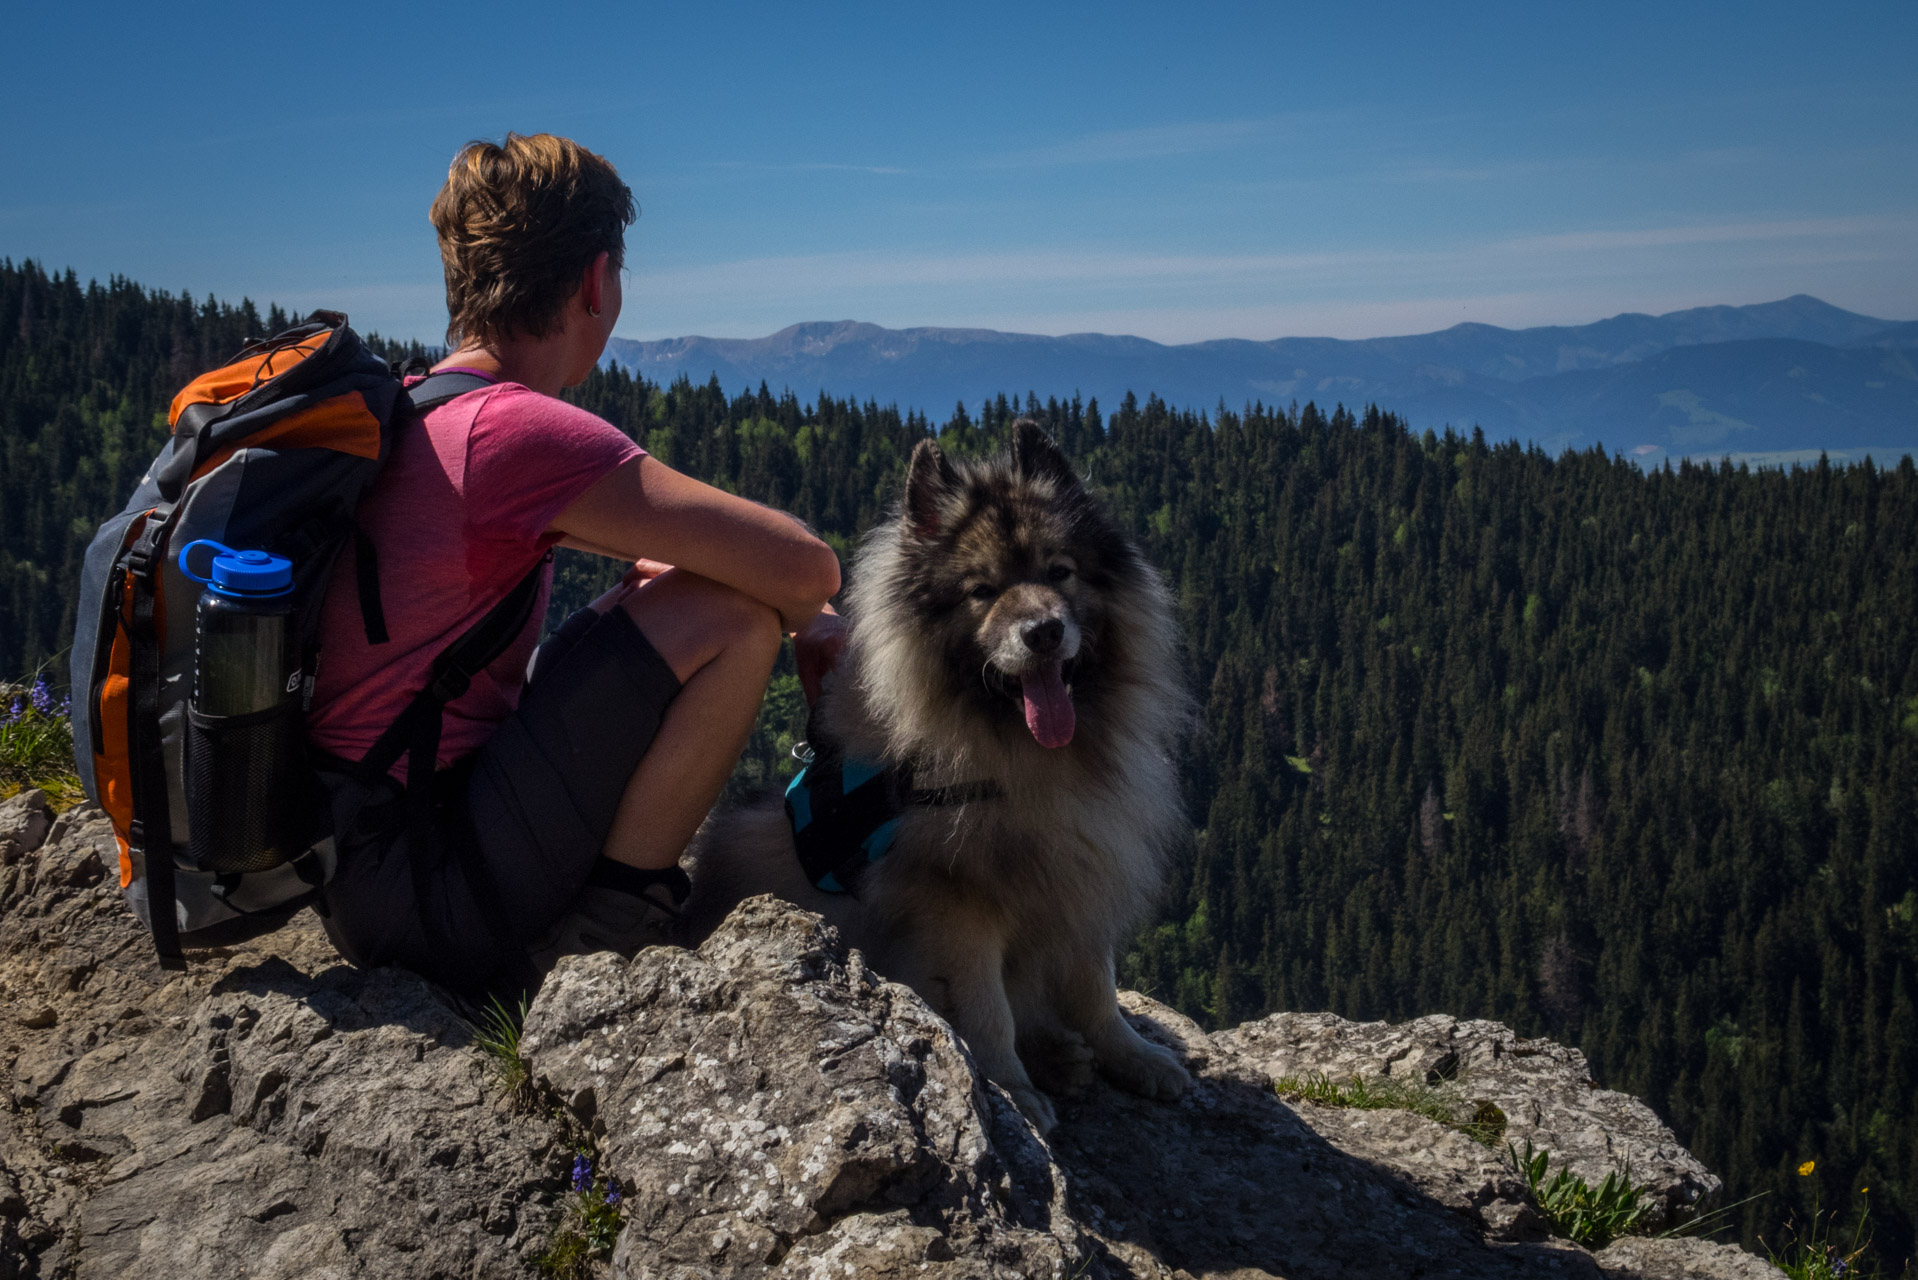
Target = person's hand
(643,571)
(816,650)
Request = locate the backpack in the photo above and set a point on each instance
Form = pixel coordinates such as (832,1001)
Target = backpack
(271,451)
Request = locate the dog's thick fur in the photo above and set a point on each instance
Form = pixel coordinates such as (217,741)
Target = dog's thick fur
(1004,913)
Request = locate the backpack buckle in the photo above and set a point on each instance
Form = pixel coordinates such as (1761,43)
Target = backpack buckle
(449,684)
(145,551)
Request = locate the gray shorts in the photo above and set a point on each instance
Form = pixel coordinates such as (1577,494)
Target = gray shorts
(519,823)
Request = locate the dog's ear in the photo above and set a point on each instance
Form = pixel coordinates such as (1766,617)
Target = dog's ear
(930,479)
(1036,457)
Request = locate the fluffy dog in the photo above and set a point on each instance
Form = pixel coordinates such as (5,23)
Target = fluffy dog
(1014,657)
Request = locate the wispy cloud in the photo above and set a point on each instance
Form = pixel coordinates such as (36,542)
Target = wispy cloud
(1035,266)
(1714,233)
(1726,157)
(1119,267)
(1149,142)
(1152,142)
(753,166)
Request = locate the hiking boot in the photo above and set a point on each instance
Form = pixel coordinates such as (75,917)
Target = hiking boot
(621,909)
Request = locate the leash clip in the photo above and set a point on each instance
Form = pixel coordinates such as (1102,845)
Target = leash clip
(802,751)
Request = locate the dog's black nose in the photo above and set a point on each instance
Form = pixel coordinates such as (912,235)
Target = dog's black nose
(1043,637)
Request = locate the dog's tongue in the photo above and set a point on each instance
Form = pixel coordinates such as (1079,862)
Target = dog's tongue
(1048,706)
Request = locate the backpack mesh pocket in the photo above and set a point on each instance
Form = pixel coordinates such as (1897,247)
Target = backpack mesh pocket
(249,789)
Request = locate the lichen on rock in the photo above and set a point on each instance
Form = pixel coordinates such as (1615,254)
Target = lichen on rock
(771,1102)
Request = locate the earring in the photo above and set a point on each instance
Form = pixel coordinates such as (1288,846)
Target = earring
(593,312)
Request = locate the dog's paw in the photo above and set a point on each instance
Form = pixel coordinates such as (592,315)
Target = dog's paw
(1060,1062)
(1147,1069)
(1037,1107)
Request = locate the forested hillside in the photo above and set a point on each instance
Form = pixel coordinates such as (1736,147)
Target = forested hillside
(1625,758)
(86,374)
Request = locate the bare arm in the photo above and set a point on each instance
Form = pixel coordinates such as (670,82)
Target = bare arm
(580,544)
(646,509)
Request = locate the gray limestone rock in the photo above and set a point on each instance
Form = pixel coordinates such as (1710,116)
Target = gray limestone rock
(775,1107)
(769,1105)
(1544,1090)
(1233,1181)
(269,1113)
(24,822)
(1679,1258)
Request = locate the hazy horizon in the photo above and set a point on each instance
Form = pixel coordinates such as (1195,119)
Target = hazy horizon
(1099,333)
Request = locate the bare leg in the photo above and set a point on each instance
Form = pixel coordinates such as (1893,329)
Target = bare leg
(721,645)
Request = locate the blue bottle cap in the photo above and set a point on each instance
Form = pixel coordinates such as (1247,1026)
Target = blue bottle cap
(239,573)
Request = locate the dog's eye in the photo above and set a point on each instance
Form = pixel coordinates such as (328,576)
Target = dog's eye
(1059,572)
(984,591)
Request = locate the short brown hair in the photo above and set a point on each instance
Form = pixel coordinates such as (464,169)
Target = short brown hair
(518,222)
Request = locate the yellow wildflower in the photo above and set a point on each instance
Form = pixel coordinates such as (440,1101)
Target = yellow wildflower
(1804,1170)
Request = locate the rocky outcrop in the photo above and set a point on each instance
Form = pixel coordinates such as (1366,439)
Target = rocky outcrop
(1544,1092)
(269,1113)
(768,1105)
(770,1102)
(1678,1258)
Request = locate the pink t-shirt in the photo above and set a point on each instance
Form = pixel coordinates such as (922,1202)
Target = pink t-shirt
(458,516)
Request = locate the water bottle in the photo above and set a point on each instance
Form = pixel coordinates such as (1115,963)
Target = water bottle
(248,789)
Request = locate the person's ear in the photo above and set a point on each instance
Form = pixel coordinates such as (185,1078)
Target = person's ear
(593,287)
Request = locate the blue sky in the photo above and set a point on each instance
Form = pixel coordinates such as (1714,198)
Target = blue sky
(1176,171)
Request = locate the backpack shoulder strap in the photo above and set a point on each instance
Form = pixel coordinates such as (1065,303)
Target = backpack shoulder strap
(435,389)
(432,391)
(151,830)
(450,676)
(416,732)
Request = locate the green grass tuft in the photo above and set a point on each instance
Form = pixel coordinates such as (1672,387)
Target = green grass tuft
(1584,1215)
(1707,1223)
(496,1035)
(1482,1122)
(566,1257)
(1813,1254)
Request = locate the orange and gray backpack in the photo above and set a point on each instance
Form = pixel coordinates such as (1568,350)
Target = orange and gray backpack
(270,452)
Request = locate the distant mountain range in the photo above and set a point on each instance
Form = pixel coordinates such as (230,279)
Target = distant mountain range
(1773,381)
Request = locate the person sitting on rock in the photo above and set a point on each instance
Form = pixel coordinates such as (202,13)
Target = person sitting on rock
(563,801)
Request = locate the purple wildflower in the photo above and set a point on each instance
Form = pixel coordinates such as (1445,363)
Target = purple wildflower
(1838,1267)
(582,1173)
(612,1191)
(42,696)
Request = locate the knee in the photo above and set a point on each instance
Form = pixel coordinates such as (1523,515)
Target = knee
(682,608)
(748,621)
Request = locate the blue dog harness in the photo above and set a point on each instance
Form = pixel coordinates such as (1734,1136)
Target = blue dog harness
(845,813)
